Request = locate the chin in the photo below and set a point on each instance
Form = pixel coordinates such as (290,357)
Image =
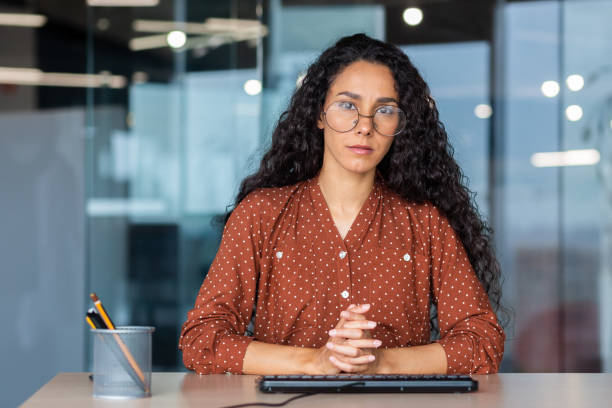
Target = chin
(359,168)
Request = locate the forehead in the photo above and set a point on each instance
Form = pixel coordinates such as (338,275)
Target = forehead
(365,79)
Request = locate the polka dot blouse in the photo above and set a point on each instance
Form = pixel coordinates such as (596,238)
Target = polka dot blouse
(283,271)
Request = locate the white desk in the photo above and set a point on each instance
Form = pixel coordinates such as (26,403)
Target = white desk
(191,390)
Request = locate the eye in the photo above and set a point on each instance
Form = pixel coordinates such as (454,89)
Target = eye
(345,105)
(386,110)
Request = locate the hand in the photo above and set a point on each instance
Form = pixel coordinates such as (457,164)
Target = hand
(351,343)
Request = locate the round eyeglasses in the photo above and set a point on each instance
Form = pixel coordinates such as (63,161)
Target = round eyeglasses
(343,116)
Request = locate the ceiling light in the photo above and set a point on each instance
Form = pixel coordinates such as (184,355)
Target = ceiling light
(210,26)
(121,207)
(176,39)
(483,111)
(252,87)
(122,3)
(213,33)
(575,82)
(586,157)
(35,77)
(22,20)
(413,16)
(103,24)
(148,42)
(140,77)
(573,113)
(550,89)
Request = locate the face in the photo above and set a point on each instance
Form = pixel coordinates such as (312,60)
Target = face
(369,88)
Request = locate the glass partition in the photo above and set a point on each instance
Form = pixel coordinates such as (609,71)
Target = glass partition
(586,190)
(166,151)
(201,84)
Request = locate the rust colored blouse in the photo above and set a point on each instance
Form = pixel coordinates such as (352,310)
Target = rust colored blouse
(281,249)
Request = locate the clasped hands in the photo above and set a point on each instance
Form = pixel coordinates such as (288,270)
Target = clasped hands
(350,347)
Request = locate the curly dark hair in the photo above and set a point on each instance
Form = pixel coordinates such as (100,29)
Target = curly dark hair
(419,165)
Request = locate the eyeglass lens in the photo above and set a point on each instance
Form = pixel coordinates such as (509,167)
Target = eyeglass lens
(343,116)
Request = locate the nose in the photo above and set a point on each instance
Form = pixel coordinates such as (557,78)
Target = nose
(364,124)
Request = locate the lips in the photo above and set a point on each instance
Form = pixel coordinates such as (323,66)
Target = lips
(361,149)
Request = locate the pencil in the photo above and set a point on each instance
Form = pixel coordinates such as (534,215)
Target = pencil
(96,319)
(102,311)
(93,326)
(122,346)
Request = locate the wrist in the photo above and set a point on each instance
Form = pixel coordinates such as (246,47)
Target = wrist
(306,361)
(384,363)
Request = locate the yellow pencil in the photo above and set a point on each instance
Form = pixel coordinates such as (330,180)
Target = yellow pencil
(122,346)
(102,311)
(93,326)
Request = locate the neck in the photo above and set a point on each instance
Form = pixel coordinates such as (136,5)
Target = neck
(344,190)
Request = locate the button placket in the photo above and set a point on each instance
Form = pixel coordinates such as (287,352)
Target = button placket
(344,274)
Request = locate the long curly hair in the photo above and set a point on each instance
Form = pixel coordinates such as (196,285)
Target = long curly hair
(419,165)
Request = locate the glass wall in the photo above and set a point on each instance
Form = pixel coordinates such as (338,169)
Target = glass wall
(127,129)
(586,191)
(166,152)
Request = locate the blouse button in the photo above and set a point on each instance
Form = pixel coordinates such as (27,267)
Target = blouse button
(279,254)
(344,294)
(406,257)
(342,255)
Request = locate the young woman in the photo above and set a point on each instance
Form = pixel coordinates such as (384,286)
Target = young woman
(355,226)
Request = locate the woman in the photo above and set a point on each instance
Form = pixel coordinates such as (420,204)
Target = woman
(356,223)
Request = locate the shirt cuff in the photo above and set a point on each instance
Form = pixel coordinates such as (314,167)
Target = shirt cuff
(457,358)
(229,356)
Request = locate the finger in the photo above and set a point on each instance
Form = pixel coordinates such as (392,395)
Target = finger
(365,359)
(346,367)
(359,361)
(347,315)
(344,349)
(341,323)
(359,308)
(359,324)
(347,333)
(364,343)
(354,312)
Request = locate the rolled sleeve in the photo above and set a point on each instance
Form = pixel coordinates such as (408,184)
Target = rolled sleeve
(212,338)
(216,354)
(470,333)
(473,349)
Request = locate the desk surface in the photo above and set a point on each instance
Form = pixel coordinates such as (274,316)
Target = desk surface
(191,390)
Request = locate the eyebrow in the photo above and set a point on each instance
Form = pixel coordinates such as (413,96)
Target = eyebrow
(352,95)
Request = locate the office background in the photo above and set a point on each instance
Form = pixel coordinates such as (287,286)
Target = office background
(125,130)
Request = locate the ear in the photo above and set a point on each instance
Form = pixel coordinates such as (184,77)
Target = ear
(320,123)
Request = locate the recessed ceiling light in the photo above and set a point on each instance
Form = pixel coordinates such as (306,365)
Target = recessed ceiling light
(252,87)
(413,16)
(550,89)
(483,111)
(176,39)
(575,82)
(573,113)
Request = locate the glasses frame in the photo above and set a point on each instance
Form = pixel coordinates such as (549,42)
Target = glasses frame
(360,115)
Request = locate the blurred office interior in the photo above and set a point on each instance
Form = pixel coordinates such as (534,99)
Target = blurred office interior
(126,126)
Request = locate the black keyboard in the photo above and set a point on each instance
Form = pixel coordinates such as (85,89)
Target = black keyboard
(366,383)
